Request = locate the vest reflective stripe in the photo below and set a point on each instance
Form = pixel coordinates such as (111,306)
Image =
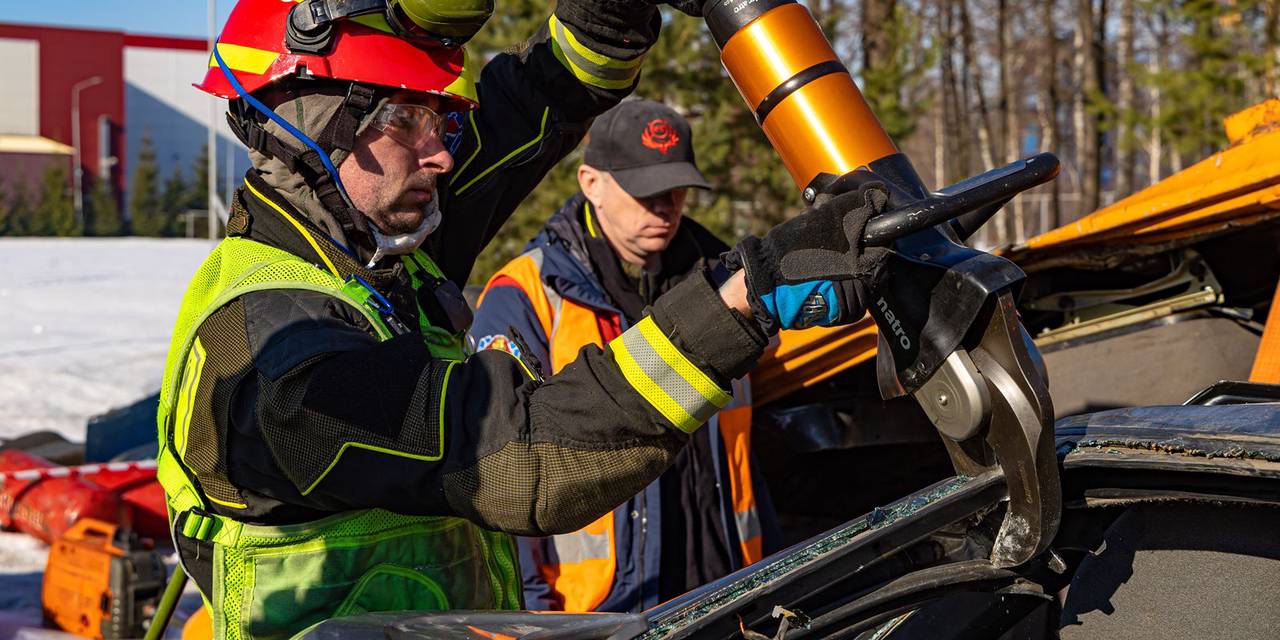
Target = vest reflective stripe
(582,569)
(735,431)
(274,581)
(664,377)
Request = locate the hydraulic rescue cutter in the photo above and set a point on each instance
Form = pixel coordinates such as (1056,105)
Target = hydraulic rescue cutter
(949,332)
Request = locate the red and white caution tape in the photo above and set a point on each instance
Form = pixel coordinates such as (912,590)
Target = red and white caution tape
(28,475)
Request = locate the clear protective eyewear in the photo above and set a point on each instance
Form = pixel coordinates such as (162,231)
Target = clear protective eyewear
(412,125)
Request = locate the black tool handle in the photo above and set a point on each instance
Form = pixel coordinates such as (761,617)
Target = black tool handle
(981,195)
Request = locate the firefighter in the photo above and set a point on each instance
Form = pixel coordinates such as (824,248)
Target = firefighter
(327,446)
(611,250)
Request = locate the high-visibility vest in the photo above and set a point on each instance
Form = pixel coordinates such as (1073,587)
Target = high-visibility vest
(273,581)
(582,574)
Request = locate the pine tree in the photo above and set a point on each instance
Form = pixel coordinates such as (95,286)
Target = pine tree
(175,199)
(57,208)
(19,213)
(147,218)
(102,211)
(198,188)
(6,214)
(894,65)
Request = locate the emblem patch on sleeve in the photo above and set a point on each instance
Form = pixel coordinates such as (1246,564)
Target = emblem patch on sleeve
(499,342)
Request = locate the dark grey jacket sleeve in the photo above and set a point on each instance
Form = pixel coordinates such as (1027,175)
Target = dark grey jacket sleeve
(351,423)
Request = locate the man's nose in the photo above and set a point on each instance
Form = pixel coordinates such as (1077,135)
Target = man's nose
(662,205)
(436,156)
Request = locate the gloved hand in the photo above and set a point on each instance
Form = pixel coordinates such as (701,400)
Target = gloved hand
(688,7)
(619,29)
(812,269)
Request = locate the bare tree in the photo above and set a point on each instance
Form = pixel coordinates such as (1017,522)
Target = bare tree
(941,112)
(973,75)
(1010,111)
(875,38)
(1157,62)
(953,109)
(1126,167)
(1271,35)
(1088,149)
(1048,105)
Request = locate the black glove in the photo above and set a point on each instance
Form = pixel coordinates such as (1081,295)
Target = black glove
(688,7)
(812,269)
(619,29)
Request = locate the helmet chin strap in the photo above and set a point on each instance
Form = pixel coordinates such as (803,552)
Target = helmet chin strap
(314,165)
(400,244)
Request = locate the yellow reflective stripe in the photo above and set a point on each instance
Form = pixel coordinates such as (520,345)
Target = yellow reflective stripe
(523,366)
(591,228)
(650,391)
(444,387)
(246,59)
(589,66)
(677,389)
(186,407)
(541,132)
(186,399)
(233,505)
(700,382)
(297,225)
(392,452)
(471,117)
(367,447)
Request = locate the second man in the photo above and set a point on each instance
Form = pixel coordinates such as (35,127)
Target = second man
(610,251)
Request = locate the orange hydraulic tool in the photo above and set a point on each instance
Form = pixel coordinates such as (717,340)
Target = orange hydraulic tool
(101,581)
(949,333)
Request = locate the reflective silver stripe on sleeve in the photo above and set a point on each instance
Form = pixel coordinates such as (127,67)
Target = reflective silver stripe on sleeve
(665,378)
(587,65)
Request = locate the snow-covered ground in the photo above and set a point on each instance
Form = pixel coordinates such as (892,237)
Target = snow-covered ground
(84,325)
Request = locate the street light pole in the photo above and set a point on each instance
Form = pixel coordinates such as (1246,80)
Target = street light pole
(78,194)
(212,168)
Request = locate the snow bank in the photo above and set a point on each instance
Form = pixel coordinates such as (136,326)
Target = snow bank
(84,325)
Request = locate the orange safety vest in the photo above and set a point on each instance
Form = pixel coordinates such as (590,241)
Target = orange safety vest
(587,561)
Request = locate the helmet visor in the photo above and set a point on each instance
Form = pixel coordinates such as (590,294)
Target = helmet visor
(409,29)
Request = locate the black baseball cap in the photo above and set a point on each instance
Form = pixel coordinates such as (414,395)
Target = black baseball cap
(646,146)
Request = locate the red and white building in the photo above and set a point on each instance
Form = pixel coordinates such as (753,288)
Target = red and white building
(128,86)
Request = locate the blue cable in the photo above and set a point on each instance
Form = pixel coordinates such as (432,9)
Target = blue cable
(302,137)
(284,124)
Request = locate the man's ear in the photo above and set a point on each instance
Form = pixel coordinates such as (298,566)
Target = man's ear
(591,181)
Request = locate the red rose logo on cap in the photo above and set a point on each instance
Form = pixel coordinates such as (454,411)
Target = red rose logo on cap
(659,135)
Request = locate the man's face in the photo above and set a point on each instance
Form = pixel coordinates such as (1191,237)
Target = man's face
(637,228)
(391,182)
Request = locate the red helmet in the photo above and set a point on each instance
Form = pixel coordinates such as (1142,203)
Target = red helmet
(363,49)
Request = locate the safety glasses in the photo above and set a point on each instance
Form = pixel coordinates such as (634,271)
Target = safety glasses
(412,125)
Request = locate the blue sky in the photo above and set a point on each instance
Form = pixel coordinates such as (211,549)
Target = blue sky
(160,17)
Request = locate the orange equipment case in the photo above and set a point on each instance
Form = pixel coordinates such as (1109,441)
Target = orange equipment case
(102,582)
